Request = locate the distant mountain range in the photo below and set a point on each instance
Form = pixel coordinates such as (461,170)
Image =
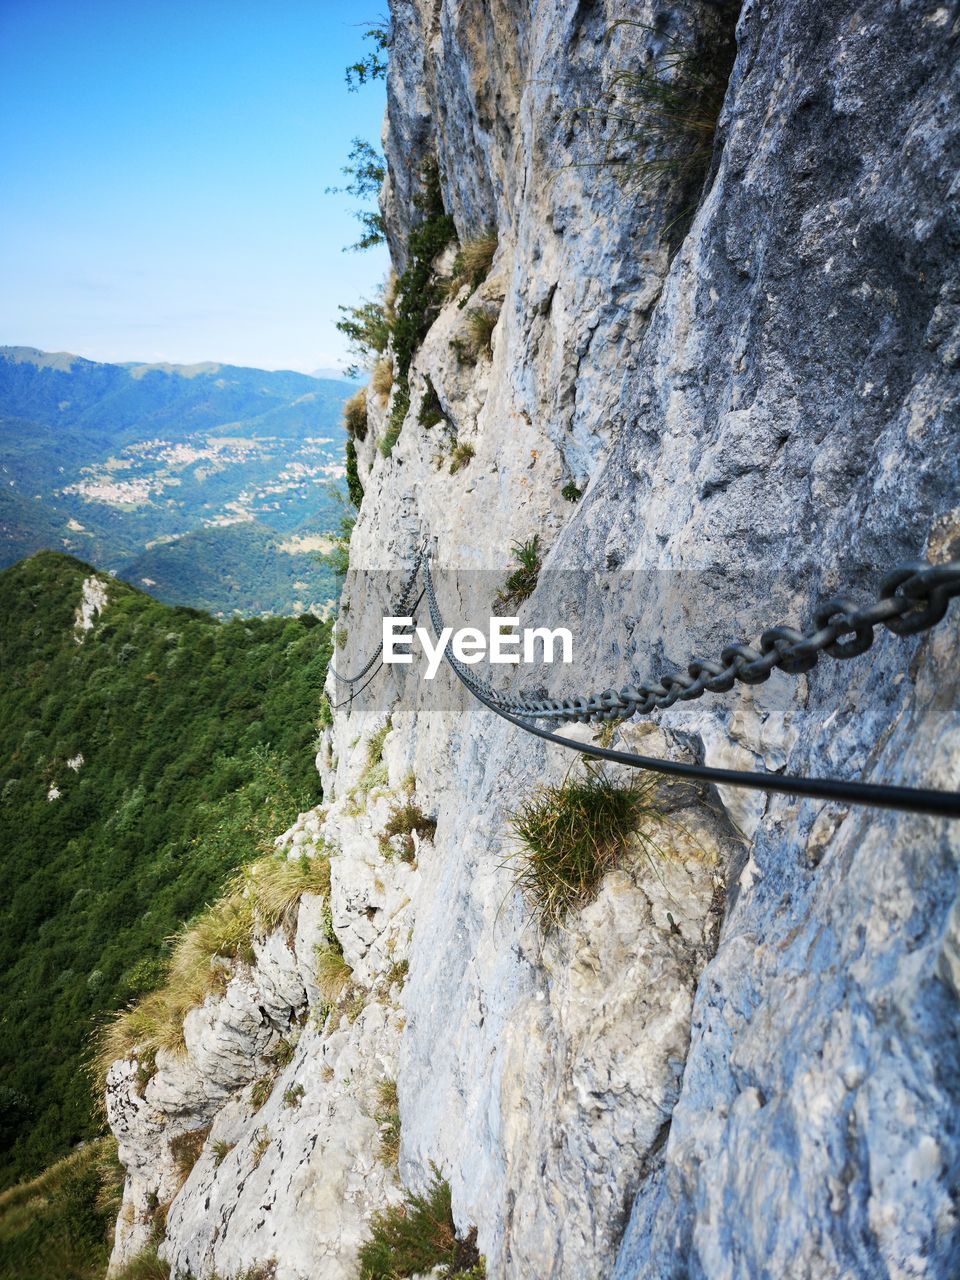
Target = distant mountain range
(207,485)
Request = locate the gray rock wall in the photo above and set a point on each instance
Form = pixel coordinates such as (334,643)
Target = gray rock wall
(762,409)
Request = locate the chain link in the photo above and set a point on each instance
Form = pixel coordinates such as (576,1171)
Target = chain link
(402,609)
(912,598)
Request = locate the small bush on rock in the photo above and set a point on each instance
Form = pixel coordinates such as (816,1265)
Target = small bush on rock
(418,1235)
(573,834)
(404,819)
(523,580)
(460,455)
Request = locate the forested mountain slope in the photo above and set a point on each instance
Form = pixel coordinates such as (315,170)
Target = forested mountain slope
(145,752)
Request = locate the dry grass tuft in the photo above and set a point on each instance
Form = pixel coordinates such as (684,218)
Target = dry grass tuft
(573,834)
(472,263)
(355,415)
(381,379)
(333,974)
(477,254)
(186,1148)
(480,326)
(461,455)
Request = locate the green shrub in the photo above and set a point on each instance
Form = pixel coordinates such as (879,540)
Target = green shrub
(398,412)
(417,1235)
(419,293)
(522,582)
(367,330)
(573,834)
(571,492)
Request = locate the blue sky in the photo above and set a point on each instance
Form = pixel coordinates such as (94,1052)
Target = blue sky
(163,167)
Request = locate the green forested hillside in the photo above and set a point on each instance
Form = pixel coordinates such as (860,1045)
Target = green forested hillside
(137,769)
(240,568)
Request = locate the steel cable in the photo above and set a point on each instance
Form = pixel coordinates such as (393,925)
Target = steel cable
(924,593)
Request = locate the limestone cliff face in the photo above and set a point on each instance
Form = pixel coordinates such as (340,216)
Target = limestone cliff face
(741,1062)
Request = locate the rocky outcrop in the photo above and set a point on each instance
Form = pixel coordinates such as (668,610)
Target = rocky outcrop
(739,1061)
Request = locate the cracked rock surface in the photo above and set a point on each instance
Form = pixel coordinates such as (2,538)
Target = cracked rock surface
(740,1060)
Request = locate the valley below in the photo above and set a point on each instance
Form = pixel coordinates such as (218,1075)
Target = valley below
(205,485)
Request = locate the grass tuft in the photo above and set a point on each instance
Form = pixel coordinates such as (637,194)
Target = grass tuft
(418,1235)
(403,820)
(460,456)
(473,262)
(573,834)
(293,1096)
(333,974)
(355,415)
(431,410)
(662,116)
(523,580)
(388,1118)
(221,1150)
(480,326)
(186,1148)
(145,1266)
(381,379)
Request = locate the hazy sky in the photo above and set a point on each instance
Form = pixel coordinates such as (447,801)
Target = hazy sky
(163,166)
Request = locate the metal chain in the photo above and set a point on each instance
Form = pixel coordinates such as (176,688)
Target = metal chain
(402,609)
(913,598)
